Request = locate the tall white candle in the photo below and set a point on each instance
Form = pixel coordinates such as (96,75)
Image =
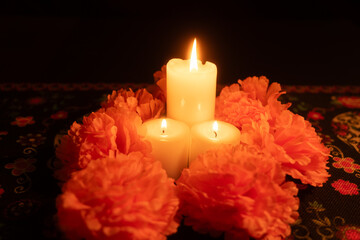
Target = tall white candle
(191,92)
(211,134)
(170,144)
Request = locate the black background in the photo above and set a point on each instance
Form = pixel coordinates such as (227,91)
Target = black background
(290,42)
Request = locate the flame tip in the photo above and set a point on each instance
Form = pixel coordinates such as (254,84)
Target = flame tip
(163,123)
(193,59)
(215,126)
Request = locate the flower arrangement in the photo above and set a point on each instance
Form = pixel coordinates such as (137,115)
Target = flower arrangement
(112,187)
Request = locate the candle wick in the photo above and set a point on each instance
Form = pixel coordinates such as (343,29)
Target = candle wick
(215,134)
(163,131)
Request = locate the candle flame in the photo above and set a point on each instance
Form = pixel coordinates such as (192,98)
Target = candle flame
(163,126)
(215,128)
(193,59)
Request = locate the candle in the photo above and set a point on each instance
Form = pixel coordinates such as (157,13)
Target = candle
(170,144)
(211,134)
(191,89)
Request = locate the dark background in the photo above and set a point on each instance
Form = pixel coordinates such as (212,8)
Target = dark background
(290,42)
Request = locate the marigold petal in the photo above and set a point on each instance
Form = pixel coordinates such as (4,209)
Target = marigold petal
(119,197)
(237,189)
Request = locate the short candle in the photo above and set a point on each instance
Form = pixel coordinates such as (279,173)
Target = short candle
(211,134)
(170,144)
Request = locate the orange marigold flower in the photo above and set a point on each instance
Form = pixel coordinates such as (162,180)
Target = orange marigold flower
(258,88)
(237,190)
(244,102)
(236,107)
(160,81)
(265,121)
(119,197)
(142,102)
(161,74)
(306,157)
(113,129)
(294,143)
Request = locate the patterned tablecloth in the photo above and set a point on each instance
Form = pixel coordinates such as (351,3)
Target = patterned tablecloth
(33,116)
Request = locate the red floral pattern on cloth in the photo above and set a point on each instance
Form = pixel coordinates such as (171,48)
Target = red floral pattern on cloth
(23,121)
(36,100)
(348,232)
(347,127)
(31,139)
(345,187)
(315,115)
(341,129)
(3,133)
(349,102)
(59,115)
(1,191)
(21,166)
(346,163)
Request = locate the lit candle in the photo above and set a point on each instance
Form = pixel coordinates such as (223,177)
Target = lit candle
(190,89)
(170,144)
(211,134)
